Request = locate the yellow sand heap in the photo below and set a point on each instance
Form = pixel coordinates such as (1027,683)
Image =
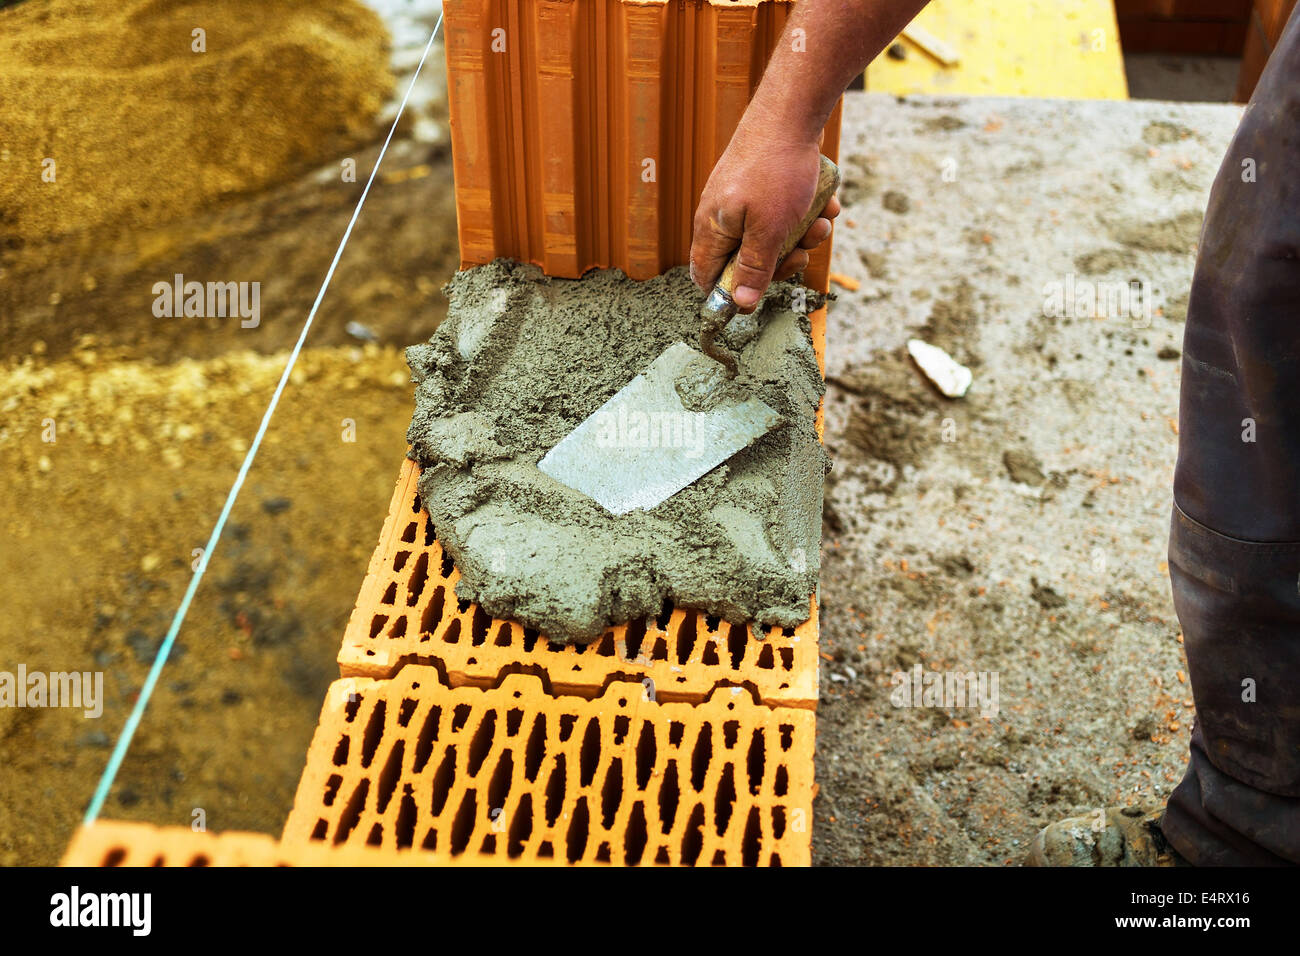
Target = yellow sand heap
(139,112)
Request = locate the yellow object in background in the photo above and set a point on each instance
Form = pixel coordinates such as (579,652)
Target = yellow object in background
(1057,48)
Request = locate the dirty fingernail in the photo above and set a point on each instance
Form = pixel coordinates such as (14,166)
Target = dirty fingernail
(746,296)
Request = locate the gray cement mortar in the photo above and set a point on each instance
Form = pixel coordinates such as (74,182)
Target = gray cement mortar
(519,362)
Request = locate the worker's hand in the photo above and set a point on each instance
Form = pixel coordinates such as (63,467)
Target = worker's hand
(758,192)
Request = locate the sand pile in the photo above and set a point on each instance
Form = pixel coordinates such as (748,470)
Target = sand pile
(521,360)
(142,128)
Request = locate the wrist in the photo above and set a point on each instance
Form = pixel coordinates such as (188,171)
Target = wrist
(790,113)
(768,124)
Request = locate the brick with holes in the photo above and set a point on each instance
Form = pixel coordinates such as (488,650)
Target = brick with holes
(512,772)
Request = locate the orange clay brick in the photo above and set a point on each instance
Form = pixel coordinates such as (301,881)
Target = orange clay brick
(408,611)
(583,131)
(109,843)
(517,774)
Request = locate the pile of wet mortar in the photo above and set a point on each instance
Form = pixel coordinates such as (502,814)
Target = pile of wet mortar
(519,362)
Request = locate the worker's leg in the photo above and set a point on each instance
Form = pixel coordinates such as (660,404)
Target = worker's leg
(1234,550)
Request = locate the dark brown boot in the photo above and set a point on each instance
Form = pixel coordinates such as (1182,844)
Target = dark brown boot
(1115,836)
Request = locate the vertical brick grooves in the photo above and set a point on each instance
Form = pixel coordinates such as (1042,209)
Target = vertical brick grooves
(736,58)
(584,117)
(644,44)
(677,129)
(549,138)
(473,128)
(615,173)
(517,87)
(696,94)
(556,107)
(604,131)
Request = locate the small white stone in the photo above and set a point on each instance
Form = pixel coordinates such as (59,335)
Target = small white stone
(360,331)
(949,376)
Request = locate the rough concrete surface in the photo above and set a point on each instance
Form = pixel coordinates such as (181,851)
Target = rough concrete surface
(521,361)
(1020,531)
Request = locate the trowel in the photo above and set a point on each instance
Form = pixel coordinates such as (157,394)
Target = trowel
(682,416)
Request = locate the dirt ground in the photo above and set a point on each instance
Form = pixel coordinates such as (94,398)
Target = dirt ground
(1020,530)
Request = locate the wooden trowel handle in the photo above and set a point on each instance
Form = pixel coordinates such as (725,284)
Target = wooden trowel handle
(828,180)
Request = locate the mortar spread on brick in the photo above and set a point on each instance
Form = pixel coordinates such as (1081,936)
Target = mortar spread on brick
(522,359)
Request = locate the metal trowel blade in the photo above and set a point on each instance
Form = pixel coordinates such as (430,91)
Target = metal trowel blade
(644,445)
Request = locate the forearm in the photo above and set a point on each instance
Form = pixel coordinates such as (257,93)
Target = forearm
(809,71)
